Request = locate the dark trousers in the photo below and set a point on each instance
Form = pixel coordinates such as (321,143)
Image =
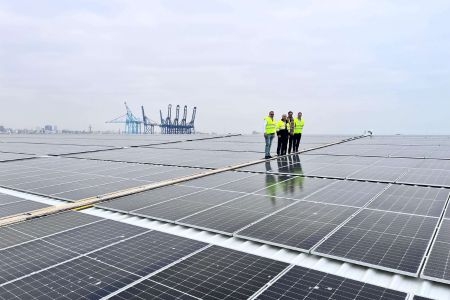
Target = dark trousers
(291,143)
(296,141)
(283,136)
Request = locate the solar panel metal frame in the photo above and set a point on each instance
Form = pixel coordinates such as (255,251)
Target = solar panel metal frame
(435,241)
(313,251)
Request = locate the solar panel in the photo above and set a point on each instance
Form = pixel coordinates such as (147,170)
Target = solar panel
(418,200)
(93,191)
(384,240)
(217,179)
(253,184)
(148,289)
(344,192)
(428,177)
(336,171)
(300,226)
(302,283)
(6,199)
(51,224)
(438,164)
(143,199)
(9,237)
(93,236)
(20,207)
(235,214)
(30,257)
(437,267)
(421,298)
(147,253)
(82,278)
(374,173)
(297,187)
(187,205)
(398,162)
(220,273)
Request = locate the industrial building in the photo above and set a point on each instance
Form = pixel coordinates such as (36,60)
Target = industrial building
(204,217)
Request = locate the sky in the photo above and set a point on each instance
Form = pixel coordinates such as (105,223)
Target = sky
(348,65)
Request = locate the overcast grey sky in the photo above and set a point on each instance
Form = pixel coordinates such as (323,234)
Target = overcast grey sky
(348,65)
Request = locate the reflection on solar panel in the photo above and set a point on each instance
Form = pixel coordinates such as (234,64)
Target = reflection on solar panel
(253,184)
(299,226)
(82,278)
(437,267)
(147,253)
(418,200)
(220,273)
(385,240)
(351,193)
(235,214)
(302,283)
(297,187)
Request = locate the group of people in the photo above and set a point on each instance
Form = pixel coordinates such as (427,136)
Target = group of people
(289,131)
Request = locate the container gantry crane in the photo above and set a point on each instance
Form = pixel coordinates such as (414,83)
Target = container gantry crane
(132,123)
(177,127)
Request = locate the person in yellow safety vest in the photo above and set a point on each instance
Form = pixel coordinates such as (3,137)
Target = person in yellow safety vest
(269,132)
(291,121)
(283,128)
(299,122)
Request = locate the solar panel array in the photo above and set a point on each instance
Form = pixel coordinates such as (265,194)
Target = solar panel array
(73,255)
(379,202)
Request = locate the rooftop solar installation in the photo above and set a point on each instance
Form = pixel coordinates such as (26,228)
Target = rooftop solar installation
(303,283)
(384,240)
(372,203)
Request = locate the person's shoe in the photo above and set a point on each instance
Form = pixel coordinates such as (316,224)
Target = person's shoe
(269,156)
(266,157)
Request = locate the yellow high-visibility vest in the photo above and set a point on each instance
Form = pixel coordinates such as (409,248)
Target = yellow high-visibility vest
(271,125)
(298,127)
(281,125)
